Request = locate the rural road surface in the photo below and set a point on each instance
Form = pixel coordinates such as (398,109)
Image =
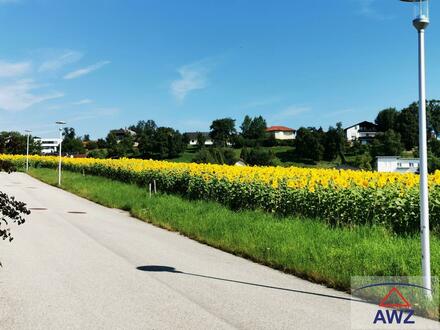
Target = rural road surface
(99,268)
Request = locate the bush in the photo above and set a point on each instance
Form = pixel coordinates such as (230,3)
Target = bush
(216,156)
(11,210)
(98,153)
(258,156)
(7,166)
(433,164)
(363,162)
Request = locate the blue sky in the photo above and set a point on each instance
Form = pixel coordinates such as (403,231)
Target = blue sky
(105,64)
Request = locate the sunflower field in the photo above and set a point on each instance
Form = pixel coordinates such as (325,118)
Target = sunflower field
(338,197)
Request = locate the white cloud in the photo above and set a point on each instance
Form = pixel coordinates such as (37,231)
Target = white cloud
(192,77)
(367,9)
(19,95)
(96,113)
(288,113)
(9,69)
(83,101)
(86,70)
(67,57)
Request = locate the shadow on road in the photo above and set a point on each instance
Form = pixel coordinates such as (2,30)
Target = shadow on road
(167,269)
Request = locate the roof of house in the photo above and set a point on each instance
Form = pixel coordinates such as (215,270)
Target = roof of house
(279,129)
(193,135)
(122,132)
(364,126)
(397,158)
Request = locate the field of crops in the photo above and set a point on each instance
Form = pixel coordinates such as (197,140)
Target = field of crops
(339,197)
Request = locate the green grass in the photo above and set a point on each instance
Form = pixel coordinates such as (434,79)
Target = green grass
(187,156)
(303,247)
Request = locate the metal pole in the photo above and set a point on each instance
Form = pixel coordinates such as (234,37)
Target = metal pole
(424,193)
(27,152)
(59,163)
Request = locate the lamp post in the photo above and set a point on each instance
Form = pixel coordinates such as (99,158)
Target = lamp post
(421,22)
(60,123)
(27,149)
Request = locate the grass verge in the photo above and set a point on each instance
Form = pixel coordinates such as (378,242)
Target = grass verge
(304,247)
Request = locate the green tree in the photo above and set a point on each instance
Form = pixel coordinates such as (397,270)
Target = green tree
(201,140)
(167,143)
(308,144)
(246,126)
(142,127)
(433,110)
(334,143)
(434,147)
(15,143)
(222,131)
(253,128)
(387,144)
(91,145)
(121,148)
(71,143)
(407,126)
(258,128)
(145,137)
(102,144)
(387,119)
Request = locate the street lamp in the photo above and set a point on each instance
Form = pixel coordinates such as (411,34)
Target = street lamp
(421,22)
(60,123)
(27,149)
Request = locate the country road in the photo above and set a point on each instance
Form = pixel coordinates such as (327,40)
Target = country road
(77,265)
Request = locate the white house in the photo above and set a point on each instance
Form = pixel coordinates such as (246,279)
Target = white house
(49,146)
(282,132)
(397,164)
(192,137)
(364,132)
(122,133)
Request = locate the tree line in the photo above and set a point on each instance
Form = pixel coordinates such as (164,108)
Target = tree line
(250,141)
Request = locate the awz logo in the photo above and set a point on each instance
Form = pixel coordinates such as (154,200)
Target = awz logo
(394,316)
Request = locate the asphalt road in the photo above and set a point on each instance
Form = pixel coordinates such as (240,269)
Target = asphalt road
(102,269)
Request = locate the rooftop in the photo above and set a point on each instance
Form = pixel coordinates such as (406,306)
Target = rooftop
(279,129)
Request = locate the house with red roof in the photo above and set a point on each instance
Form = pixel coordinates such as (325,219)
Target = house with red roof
(282,132)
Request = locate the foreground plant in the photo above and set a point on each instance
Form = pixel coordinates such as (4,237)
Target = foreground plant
(11,210)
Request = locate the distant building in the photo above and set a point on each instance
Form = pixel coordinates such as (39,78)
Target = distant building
(192,137)
(122,133)
(397,164)
(363,132)
(49,146)
(282,132)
